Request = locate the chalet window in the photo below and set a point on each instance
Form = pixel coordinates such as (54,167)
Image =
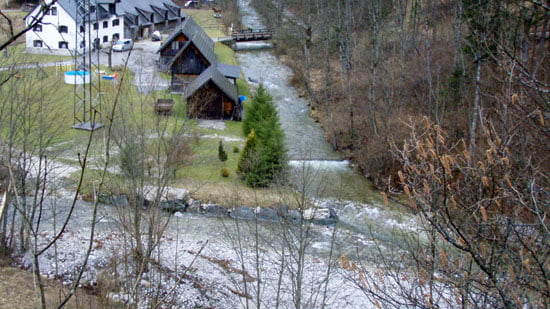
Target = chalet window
(92,9)
(175,45)
(53,10)
(37,43)
(116,22)
(63,44)
(105,38)
(82,44)
(116,36)
(37,28)
(105,24)
(81,29)
(96,26)
(63,29)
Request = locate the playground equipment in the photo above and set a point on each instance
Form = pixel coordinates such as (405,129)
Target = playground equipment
(77,77)
(110,77)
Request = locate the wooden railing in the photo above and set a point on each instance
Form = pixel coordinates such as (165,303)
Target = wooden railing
(252,35)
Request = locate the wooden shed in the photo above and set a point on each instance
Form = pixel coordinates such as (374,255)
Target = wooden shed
(212,96)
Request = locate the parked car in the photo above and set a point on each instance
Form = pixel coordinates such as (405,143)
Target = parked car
(122,45)
(156,36)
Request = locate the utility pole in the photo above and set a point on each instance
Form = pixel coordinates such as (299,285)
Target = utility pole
(87,94)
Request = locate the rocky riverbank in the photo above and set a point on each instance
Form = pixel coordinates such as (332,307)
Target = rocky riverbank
(199,262)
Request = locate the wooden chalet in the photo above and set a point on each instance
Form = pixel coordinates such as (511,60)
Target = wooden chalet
(193,58)
(212,96)
(187,31)
(208,86)
(188,52)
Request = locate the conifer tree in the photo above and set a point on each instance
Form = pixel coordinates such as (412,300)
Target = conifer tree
(222,155)
(264,156)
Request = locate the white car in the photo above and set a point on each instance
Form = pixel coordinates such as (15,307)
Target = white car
(122,45)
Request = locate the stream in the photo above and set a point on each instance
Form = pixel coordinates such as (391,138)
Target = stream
(316,167)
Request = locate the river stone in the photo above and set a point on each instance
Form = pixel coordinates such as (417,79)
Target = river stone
(242,213)
(213,210)
(119,200)
(194,206)
(282,211)
(172,206)
(104,198)
(267,214)
(294,215)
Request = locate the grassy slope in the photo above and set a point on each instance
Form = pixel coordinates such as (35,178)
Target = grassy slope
(212,26)
(17,290)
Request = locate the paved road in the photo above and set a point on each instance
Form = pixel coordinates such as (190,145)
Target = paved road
(142,63)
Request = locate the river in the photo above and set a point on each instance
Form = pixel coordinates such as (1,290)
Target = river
(316,167)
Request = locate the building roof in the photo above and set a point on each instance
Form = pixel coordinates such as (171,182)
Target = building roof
(123,7)
(229,71)
(201,45)
(212,74)
(192,31)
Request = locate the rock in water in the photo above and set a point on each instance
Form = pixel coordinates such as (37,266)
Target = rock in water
(242,213)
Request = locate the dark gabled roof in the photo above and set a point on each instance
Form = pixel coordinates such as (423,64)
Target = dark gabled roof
(122,8)
(212,74)
(203,48)
(191,30)
(229,71)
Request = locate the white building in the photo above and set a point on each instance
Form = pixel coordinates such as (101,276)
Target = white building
(109,20)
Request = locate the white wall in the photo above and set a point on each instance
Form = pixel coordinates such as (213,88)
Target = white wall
(51,37)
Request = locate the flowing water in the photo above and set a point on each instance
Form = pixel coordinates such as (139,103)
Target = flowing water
(317,167)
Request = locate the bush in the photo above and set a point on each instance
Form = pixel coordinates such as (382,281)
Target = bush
(236,149)
(222,155)
(179,110)
(224,172)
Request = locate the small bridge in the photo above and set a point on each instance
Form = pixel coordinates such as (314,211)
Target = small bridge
(252,35)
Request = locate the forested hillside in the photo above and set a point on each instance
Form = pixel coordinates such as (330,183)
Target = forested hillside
(375,69)
(446,101)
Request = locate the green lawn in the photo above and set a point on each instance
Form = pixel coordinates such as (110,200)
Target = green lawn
(212,26)
(136,110)
(225,54)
